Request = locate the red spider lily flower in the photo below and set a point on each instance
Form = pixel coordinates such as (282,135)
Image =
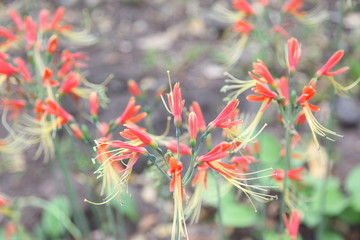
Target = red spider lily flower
(279,29)
(293,174)
(52,44)
(260,69)
(136,133)
(222,119)
(22,68)
(184,149)
(293,224)
(94,103)
(293,7)
(31,31)
(283,85)
(294,53)
(330,64)
(47,82)
(218,152)
(193,128)
(10,230)
(176,104)
(242,162)
(243,6)
(71,81)
(133,88)
(55,109)
(243,27)
(265,95)
(15,106)
(16,18)
(44,19)
(77,131)
(7,34)
(39,109)
(6,68)
(201,125)
(128,116)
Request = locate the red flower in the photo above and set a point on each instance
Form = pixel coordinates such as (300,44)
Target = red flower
(47,82)
(129,113)
(243,6)
(22,68)
(7,34)
(71,81)
(94,104)
(293,7)
(243,162)
(193,127)
(175,170)
(222,120)
(31,31)
(265,95)
(195,107)
(76,131)
(6,68)
(13,105)
(294,53)
(52,44)
(16,18)
(293,174)
(133,88)
(134,132)
(184,149)
(55,109)
(218,152)
(307,94)
(293,224)
(330,64)
(259,68)
(243,27)
(176,104)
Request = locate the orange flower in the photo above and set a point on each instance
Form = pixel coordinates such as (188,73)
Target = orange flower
(16,18)
(52,44)
(134,132)
(293,174)
(31,31)
(265,95)
(94,104)
(218,152)
(222,120)
(193,128)
(129,113)
(242,162)
(294,53)
(293,7)
(133,88)
(243,6)
(330,64)
(15,106)
(76,131)
(47,82)
(22,68)
(293,224)
(6,68)
(260,69)
(176,104)
(243,27)
(71,81)
(195,107)
(55,109)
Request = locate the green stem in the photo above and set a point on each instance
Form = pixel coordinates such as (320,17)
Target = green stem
(152,159)
(111,220)
(79,215)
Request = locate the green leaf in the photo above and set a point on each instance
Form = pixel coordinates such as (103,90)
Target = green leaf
(128,208)
(352,181)
(350,216)
(329,235)
(335,202)
(210,196)
(270,235)
(270,149)
(51,225)
(238,215)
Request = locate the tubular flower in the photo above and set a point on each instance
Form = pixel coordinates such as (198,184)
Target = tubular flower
(315,126)
(218,152)
(52,44)
(239,86)
(222,120)
(15,106)
(55,109)
(330,64)
(46,79)
(9,37)
(94,104)
(293,174)
(293,7)
(283,85)
(265,95)
(76,131)
(193,128)
(22,68)
(16,18)
(39,109)
(133,132)
(71,82)
(133,88)
(294,53)
(260,69)
(184,149)
(179,226)
(176,104)
(292,225)
(243,6)
(242,162)
(129,113)
(31,31)
(243,27)
(193,207)
(43,19)
(6,68)
(201,125)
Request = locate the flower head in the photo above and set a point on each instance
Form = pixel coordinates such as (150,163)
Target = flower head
(176,104)
(222,120)
(133,132)
(134,88)
(201,124)
(243,27)
(129,114)
(243,6)
(294,53)
(292,225)
(330,64)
